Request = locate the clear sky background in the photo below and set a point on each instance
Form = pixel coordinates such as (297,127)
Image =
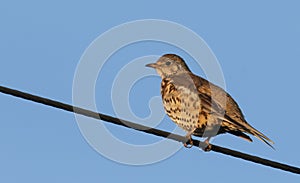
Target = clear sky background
(256,43)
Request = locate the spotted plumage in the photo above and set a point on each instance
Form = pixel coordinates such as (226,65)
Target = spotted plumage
(198,106)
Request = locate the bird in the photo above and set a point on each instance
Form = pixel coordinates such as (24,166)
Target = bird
(199,107)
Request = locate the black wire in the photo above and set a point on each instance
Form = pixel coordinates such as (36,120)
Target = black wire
(146,129)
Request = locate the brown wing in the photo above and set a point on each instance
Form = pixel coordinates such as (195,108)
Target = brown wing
(214,97)
(222,98)
(223,105)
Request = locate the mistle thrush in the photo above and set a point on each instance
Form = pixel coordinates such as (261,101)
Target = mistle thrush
(198,106)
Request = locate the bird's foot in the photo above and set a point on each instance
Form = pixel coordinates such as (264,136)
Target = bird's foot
(189,142)
(207,146)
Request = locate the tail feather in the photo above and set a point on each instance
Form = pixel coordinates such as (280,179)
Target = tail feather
(246,128)
(265,139)
(259,135)
(241,135)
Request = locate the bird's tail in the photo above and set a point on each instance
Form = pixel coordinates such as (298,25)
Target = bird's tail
(259,135)
(246,128)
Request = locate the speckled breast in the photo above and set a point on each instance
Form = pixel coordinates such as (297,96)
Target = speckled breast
(182,105)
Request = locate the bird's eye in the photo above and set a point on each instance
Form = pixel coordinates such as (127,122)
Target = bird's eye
(168,63)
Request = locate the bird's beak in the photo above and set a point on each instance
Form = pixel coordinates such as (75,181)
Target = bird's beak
(153,65)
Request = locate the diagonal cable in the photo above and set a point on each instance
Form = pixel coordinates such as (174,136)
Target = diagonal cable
(146,129)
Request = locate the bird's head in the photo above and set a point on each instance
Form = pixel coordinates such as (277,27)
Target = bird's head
(169,65)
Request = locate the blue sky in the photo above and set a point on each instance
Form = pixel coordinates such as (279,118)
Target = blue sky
(256,44)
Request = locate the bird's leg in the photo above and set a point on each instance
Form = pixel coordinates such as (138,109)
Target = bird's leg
(208,145)
(189,137)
